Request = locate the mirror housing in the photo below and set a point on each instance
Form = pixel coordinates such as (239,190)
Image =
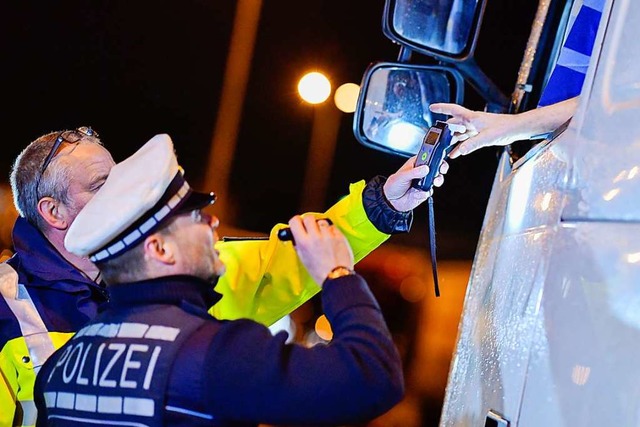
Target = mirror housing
(392,114)
(447,30)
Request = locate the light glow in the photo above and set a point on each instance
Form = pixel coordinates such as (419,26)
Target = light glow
(323,328)
(546,201)
(346,97)
(610,195)
(405,137)
(633,258)
(519,194)
(622,175)
(413,289)
(314,88)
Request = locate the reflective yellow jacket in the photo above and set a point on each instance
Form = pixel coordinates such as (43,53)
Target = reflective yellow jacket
(41,310)
(265,280)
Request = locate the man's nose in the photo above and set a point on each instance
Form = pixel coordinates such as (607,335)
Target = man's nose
(214,222)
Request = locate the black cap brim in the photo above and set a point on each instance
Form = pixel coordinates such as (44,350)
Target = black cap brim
(196,200)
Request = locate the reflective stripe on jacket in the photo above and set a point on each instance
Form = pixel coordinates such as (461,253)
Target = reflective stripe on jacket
(229,373)
(44,301)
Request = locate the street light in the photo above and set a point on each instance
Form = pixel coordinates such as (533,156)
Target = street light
(315,88)
(346,97)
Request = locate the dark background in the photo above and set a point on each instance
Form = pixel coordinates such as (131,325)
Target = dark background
(132,69)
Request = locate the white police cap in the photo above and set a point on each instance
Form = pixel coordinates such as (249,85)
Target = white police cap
(140,194)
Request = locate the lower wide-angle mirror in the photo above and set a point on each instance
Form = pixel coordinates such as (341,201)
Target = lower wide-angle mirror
(393,114)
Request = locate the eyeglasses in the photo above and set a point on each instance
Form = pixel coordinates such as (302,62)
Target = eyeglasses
(69,136)
(197,216)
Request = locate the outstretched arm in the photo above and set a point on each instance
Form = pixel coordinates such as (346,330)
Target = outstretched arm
(490,129)
(264,280)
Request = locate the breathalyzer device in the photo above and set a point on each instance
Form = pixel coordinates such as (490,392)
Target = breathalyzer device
(435,146)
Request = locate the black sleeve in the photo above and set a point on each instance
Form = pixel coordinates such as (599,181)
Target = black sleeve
(380,212)
(256,377)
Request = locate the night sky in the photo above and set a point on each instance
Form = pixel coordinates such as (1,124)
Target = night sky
(132,69)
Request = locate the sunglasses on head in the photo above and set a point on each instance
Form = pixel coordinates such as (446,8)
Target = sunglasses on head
(68,136)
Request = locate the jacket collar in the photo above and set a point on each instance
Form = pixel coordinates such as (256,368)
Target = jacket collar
(38,257)
(171,290)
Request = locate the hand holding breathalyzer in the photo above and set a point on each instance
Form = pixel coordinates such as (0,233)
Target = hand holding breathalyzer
(398,190)
(436,145)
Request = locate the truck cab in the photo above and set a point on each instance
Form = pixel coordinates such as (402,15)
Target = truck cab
(551,321)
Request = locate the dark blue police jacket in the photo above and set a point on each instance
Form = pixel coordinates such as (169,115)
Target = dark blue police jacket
(155,357)
(64,297)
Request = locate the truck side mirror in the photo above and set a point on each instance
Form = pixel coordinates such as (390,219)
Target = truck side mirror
(445,29)
(393,114)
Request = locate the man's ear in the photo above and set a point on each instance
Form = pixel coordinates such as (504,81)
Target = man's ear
(159,248)
(54,213)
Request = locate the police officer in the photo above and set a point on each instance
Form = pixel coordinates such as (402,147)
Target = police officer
(155,357)
(47,293)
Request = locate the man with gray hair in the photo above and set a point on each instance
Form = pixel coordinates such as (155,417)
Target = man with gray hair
(155,357)
(48,293)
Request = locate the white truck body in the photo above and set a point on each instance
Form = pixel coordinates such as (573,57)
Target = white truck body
(550,332)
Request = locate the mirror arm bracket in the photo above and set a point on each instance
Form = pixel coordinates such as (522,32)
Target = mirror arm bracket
(405,54)
(497,102)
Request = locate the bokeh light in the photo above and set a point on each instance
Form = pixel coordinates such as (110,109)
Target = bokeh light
(413,288)
(323,328)
(346,97)
(314,88)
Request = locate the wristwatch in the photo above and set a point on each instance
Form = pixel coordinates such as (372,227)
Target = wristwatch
(339,272)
